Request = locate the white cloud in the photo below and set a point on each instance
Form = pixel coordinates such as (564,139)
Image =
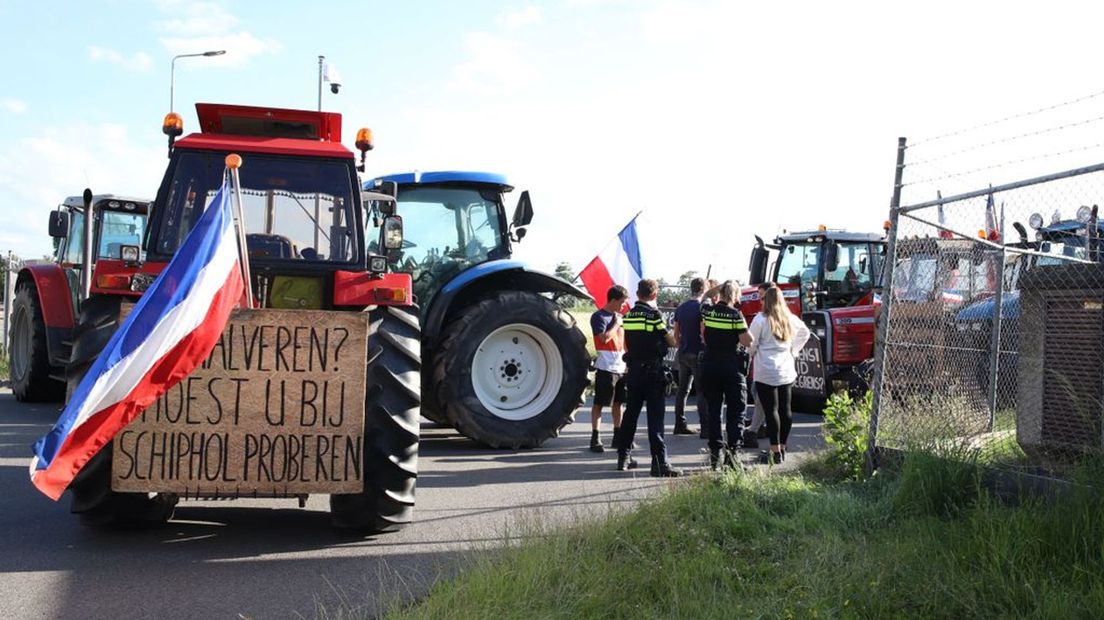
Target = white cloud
(198,19)
(37,172)
(520,18)
(495,66)
(138,61)
(15,106)
(203,26)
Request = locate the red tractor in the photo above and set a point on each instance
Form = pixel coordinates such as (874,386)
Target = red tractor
(305,219)
(48,294)
(828,278)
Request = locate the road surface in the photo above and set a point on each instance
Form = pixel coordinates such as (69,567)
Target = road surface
(269,559)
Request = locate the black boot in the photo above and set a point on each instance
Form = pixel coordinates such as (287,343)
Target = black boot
(625,460)
(663,470)
(613,441)
(681,428)
(595,442)
(714,460)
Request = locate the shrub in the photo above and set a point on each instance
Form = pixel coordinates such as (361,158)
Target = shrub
(847,432)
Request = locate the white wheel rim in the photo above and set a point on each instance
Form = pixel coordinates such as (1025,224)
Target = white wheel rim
(21,343)
(517,371)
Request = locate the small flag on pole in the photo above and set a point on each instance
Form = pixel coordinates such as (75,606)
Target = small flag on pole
(171,330)
(618,263)
(992,223)
(943,233)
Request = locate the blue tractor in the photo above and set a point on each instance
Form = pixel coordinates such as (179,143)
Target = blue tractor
(1061,242)
(503,364)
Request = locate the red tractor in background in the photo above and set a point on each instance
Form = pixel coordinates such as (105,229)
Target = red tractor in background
(48,294)
(828,278)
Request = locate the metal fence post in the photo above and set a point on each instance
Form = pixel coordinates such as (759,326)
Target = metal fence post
(887,305)
(995,339)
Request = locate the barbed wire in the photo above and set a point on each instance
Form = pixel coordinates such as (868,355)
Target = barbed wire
(1003,164)
(1030,134)
(1006,119)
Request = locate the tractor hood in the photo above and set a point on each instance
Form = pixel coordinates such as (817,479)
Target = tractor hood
(982,311)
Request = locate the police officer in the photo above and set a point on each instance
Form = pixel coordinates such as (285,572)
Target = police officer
(646,343)
(724,369)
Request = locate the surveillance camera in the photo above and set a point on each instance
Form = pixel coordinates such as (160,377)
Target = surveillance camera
(334,87)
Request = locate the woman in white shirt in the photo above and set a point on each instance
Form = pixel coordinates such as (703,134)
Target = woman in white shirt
(778,338)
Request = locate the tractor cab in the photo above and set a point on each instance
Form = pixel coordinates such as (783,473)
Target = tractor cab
(119,222)
(452,222)
(830,268)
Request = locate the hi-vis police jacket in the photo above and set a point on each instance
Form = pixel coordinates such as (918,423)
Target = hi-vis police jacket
(645,335)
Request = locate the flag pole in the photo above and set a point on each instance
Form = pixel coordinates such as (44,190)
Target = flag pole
(233,162)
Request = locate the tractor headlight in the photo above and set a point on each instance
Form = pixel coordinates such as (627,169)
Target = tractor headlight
(377,264)
(392,232)
(1035,221)
(1084,214)
(129,253)
(139,282)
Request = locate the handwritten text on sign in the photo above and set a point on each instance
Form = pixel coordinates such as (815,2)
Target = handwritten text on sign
(277,409)
(810,369)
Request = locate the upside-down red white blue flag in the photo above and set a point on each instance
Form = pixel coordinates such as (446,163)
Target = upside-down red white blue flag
(618,263)
(172,329)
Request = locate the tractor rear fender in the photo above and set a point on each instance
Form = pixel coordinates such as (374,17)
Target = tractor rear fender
(484,279)
(56,301)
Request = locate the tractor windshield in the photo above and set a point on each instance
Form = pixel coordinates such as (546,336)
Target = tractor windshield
(446,230)
(295,209)
(120,228)
(801,264)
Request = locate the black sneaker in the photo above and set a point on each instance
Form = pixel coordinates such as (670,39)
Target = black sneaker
(596,446)
(770,458)
(625,461)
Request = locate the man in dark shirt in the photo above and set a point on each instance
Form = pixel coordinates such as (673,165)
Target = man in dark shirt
(646,344)
(688,336)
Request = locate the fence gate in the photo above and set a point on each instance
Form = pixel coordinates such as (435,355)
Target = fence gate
(992,324)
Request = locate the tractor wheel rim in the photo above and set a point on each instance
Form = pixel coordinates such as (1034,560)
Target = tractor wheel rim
(21,344)
(517,371)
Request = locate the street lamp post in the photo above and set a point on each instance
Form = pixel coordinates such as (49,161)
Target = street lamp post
(172,72)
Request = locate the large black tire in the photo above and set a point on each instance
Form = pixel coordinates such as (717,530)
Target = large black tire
(92,497)
(31,371)
(468,340)
(392,405)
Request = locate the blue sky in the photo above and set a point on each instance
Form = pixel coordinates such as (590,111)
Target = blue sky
(720,119)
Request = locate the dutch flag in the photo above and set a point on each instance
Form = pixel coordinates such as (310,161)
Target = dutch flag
(172,329)
(618,263)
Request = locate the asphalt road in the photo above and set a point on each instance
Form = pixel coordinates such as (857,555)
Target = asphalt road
(269,559)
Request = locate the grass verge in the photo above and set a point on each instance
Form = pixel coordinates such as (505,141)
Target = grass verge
(921,542)
(5,370)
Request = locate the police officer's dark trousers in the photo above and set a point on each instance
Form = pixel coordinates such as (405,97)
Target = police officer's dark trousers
(724,384)
(644,383)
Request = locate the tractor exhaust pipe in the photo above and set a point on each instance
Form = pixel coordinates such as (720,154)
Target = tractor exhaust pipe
(86,255)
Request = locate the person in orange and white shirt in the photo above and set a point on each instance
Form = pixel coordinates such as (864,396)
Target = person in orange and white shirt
(609,374)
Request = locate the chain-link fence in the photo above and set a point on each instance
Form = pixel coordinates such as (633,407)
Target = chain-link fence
(992,338)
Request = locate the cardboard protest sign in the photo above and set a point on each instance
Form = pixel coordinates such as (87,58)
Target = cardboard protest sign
(277,409)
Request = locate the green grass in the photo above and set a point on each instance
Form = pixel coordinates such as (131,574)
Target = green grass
(924,541)
(5,369)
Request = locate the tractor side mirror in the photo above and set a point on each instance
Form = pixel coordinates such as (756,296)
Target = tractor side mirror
(59,224)
(523,214)
(831,256)
(757,268)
